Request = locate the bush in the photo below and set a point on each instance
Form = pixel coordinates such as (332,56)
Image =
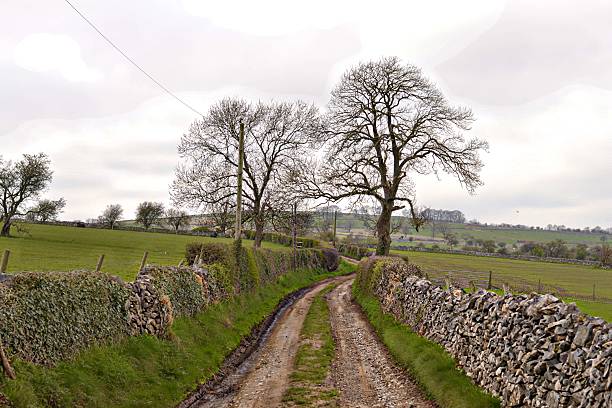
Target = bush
(387,268)
(180,285)
(353,251)
(209,252)
(332,258)
(46,317)
(283,239)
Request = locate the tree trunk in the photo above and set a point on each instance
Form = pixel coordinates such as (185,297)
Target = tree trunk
(6,228)
(259,229)
(383,229)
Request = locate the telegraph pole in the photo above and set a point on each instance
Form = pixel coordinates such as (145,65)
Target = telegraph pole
(238,229)
(335,223)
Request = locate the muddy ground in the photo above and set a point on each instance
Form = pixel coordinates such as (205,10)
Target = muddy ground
(257,374)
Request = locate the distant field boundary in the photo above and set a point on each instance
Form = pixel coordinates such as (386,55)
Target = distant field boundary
(506,256)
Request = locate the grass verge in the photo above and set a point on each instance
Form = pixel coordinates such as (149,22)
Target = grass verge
(314,357)
(145,371)
(430,365)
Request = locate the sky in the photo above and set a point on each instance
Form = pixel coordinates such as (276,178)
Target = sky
(536,75)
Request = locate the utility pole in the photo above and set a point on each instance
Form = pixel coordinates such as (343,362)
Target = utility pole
(238,229)
(335,223)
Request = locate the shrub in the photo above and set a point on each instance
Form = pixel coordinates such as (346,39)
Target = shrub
(45,317)
(388,268)
(332,258)
(180,285)
(353,251)
(209,252)
(283,239)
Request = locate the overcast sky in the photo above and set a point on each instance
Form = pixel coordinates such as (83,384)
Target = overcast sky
(536,73)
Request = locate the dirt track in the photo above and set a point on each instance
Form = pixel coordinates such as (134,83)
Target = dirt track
(362,370)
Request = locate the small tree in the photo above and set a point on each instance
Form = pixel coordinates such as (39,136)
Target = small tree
(149,213)
(111,215)
(176,218)
(46,210)
(22,183)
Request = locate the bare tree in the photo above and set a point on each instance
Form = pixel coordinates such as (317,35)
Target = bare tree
(111,215)
(21,183)
(386,120)
(277,136)
(149,213)
(46,210)
(176,218)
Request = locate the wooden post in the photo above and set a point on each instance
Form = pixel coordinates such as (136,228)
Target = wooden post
(100,262)
(490,284)
(6,365)
(335,222)
(144,261)
(181,263)
(506,289)
(539,285)
(5,259)
(448,283)
(238,232)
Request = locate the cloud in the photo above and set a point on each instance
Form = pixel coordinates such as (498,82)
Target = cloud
(45,52)
(549,159)
(534,49)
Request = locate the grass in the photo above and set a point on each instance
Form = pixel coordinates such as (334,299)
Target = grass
(570,282)
(145,371)
(314,358)
(59,248)
(430,365)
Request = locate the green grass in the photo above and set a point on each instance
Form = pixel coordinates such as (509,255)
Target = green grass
(145,371)
(431,366)
(314,358)
(565,280)
(58,248)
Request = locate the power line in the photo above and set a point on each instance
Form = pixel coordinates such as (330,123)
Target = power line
(159,84)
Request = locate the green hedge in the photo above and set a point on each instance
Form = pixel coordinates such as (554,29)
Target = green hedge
(45,317)
(180,285)
(354,251)
(283,239)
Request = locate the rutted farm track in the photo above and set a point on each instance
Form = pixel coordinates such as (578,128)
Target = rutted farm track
(362,371)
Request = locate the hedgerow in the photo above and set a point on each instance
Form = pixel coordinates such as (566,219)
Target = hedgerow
(180,285)
(45,317)
(283,239)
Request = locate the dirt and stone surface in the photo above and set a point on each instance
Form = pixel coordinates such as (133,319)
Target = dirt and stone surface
(362,371)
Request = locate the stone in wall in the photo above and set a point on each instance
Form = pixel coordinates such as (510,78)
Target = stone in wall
(529,350)
(148,312)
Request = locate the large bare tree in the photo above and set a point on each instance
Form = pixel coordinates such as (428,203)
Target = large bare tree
(387,121)
(277,136)
(21,184)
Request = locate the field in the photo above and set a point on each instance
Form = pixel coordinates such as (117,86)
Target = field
(571,282)
(462,231)
(58,248)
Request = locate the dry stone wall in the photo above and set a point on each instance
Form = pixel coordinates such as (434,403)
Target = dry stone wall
(529,350)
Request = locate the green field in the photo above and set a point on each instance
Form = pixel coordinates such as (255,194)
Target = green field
(462,231)
(573,282)
(58,248)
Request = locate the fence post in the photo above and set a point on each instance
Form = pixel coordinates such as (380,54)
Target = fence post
(144,261)
(490,284)
(6,364)
(100,262)
(506,289)
(539,285)
(5,258)
(180,263)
